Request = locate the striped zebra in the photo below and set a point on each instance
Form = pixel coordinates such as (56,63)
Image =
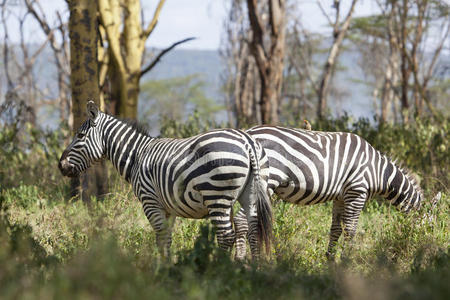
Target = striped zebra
(309,167)
(196,177)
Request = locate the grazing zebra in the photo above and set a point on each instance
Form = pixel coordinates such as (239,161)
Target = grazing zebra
(196,177)
(309,167)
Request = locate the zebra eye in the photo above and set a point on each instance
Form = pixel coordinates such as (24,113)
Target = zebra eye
(81,135)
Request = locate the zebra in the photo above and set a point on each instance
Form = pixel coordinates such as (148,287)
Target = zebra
(196,177)
(310,167)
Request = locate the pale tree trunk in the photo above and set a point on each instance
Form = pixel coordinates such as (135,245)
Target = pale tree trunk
(240,85)
(110,14)
(134,51)
(391,74)
(418,32)
(389,96)
(386,98)
(245,85)
(122,26)
(241,76)
(404,66)
(269,58)
(84,83)
(339,32)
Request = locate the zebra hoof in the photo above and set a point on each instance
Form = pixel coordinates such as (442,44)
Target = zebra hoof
(330,256)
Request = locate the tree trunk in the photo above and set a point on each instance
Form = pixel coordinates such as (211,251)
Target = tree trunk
(242,78)
(269,60)
(84,83)
(386,95)
(389,97)
(126,41)
(339,32)
(245,84)
(391,74)
(404,65)
(324,85)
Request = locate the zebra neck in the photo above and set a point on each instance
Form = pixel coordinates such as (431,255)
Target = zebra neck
(400,188)
(123,146)
(382,169)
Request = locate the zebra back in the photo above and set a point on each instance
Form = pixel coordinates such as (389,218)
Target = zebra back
(308,167)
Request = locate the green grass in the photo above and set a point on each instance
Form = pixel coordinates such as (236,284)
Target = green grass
(54,248)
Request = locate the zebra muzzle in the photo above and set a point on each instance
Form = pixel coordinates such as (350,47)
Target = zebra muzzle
(67,169)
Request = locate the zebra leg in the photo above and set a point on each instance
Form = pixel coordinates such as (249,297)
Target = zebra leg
(162,224)
(220,215)
(241,228)
(166,239)
(248,203)
(353,204)
(336,228)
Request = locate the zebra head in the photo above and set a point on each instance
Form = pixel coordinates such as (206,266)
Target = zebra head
(86,147)
(407,194)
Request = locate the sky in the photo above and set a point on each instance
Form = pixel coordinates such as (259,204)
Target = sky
(204,19)
(180,19)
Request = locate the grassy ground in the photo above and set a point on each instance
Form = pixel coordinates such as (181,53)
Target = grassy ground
(51,248)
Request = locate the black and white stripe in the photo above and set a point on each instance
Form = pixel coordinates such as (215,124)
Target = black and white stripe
(309,167)
(196,177)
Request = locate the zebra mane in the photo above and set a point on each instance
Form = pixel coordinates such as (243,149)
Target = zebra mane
(411,176)
(139,127)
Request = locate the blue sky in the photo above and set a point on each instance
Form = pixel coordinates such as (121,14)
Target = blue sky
(179,19)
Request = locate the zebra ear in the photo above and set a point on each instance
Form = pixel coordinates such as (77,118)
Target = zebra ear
(92,110)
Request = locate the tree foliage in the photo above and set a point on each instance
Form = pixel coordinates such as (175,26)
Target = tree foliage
(176,99)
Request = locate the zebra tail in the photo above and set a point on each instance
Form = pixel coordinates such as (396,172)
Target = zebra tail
(264,210)
(263,203)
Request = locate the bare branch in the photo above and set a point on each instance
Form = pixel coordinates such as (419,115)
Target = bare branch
(6,46)
(337,7)
(436,54)
(305,61)
(325,14)
(162,53)
(42,20)
(339,33)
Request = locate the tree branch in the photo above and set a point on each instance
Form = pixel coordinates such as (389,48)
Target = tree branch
(325,13)
(162,53)
(257,41)
(436,55)
(257,33)
(154,21)
(275,15)
(6,46)
(109,13)
(304,61)
(346,22)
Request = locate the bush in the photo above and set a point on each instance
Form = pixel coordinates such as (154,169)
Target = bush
(30,157)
